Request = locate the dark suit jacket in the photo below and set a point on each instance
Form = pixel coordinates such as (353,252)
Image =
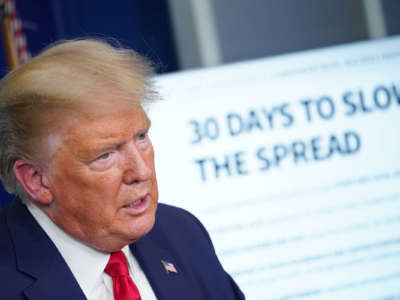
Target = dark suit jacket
(32,268)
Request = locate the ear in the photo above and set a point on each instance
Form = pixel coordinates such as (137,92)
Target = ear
(33,180)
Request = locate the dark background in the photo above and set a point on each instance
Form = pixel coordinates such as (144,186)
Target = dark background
(141,25)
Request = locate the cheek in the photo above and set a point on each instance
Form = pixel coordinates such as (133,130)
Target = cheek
(150,158)
(150,161)
(110,179)
(81,186)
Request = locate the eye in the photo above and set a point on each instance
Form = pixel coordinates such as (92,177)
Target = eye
(104,156)
(142,140)
(104,161)
(142,136)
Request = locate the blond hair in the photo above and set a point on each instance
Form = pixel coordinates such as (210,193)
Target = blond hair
(63,75)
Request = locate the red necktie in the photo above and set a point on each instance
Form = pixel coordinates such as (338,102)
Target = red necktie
(123,286)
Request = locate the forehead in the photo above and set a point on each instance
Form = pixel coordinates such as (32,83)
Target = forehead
(106,125)
(101,106)
(85,132)
(98,121)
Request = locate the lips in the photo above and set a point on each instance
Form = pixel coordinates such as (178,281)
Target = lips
(139,205)
(137,202)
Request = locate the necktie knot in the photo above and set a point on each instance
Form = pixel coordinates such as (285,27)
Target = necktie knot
(117,265)
(123,286)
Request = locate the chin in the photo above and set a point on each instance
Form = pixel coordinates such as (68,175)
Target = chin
(112,243)
(141,228)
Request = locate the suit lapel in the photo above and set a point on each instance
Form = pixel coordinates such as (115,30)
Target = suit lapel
(165,285)
(39,258)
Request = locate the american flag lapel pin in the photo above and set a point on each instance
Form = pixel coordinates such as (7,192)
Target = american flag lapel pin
(168,267)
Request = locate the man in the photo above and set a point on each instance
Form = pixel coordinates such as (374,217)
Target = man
(74,148)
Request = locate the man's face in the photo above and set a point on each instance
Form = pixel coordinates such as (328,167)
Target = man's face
(102,178)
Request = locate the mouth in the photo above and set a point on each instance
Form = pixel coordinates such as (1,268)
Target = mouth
(138,206)
(135,203)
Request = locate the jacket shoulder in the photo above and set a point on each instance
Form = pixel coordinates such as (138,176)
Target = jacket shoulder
(12,281)
(186,236)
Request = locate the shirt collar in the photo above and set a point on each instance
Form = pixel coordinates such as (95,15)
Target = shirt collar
(86,264)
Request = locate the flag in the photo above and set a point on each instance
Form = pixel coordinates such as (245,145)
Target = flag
(15,40)
(169,267)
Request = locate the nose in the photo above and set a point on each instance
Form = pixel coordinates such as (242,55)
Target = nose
(138,165)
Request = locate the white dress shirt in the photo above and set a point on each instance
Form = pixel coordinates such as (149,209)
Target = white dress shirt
(87,264)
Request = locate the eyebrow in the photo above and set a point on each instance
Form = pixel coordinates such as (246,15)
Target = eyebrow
(115,142)
(106,146)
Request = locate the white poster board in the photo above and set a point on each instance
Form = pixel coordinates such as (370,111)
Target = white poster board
(293,165)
